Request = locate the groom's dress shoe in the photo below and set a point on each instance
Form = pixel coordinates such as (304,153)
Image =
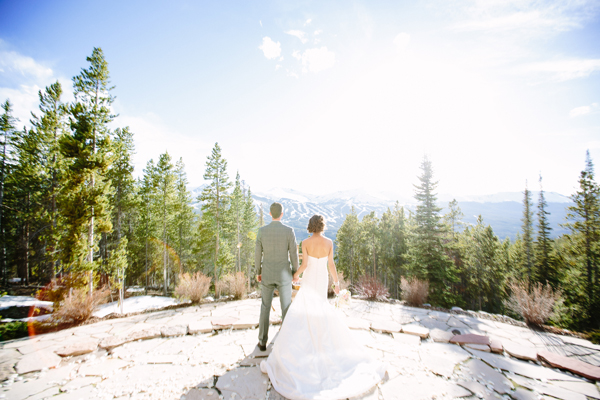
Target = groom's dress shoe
(262,347)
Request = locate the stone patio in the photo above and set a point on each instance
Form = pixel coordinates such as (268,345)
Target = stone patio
(209,352)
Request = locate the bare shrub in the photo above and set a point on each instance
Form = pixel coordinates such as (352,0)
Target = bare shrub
(60,287)
(414,290)
(193,287)
(535,303)
(233,284)
(344,284)
(371,289)
(78,305)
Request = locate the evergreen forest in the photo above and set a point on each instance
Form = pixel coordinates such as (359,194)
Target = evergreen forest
(70,206)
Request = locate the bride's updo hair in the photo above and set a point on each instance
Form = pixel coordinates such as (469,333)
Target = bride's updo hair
(316,224)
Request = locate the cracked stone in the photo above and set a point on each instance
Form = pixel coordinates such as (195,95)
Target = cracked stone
(441,336)
(77,348)
(485,374)
(386,326)
(417,330)
(470,339)
(520,352)
(358,323)
(37,361)
(171,331)
(246,383)
(202,326)
(577,367)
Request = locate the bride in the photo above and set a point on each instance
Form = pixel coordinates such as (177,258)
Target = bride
(315,355)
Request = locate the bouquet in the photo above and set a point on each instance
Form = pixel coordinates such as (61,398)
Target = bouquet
(342,299)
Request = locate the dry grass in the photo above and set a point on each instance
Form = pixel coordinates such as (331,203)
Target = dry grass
(78,306)
(371,289)
(233,284)
(193,287)
(343,283)
(414,291)
(535,303)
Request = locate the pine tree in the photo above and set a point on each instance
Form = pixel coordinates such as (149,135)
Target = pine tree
(543,245)
(347,243)
(165,207)
(249,231)
(184,216)
(237,213)
(147,229)
(87,149)
(215,201)
(370,242)
(428,258)
(585,237)
(527,229)
(50,126)
(8,129)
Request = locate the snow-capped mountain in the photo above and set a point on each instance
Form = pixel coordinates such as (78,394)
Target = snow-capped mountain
(503,211)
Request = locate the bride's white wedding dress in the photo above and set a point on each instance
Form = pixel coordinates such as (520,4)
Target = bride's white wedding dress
(315,355)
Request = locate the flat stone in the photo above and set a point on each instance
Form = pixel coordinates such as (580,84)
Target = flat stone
(46,394)
(358,323)
(163,359)
(411,340)
(523,394)
(496,346)
(480,347)
(417,330)
(245,323)
(522,367)
(202,326)
(80,382)
(547,388)
(146,334)
(9,356)
(103,368)
(477,389)
(484,374)
(201,394)
(520,352)
(86,392)
(420,386)
(470,339)
(223,322)
(577,367)
(441,336)
(454,322)
(386,326)
(77,348)
(171,331)
(38,361)
(6,370)
(110,343)
(246,383)
(585,388)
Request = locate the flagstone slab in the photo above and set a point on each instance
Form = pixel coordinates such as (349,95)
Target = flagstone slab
(146,334)
(26,389)
(484,374)
(201,326)
(245,322)
(523,394)
(520,352)
(246,383)
(46,394)
(411,340)
(77,348)
(496,346)
(9,356)
(6,370)
(201,394)
(548,389)
(582,387)
(477,389)
(454,322)
(413,329)
(358,323)
(442,316)
(580,342)
(103,368)
(420,386)
(432,323)
(80,382)
(522,367)
(151,358)
(134,349)
(223,322)
(470,339)
(441,336)
(577,367)
(37,361)
(86,392)
(112,342)
(480,347)
(386,326)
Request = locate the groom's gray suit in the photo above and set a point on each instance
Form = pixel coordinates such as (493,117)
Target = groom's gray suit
(275,249)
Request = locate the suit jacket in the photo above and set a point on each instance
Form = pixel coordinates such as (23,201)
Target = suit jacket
(275,249)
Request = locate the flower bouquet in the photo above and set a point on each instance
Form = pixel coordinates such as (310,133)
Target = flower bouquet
(342,299)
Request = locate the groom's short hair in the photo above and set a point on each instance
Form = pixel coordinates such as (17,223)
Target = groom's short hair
(276,210)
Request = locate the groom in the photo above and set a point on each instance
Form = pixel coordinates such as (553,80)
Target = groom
(275,248)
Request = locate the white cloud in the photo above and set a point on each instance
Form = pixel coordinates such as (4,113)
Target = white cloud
(308,21)
(563,70)
(583,110)
(277,67)
(401,41)
(318,32)
(316,60)
(292,74)
(299,34)
(260,22)
(14,63)
(270,48)
(296,54)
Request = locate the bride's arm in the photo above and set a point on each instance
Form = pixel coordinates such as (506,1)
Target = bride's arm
(303,265)
(333,271)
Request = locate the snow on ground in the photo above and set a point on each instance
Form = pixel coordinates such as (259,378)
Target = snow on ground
(135,304)
(23,301)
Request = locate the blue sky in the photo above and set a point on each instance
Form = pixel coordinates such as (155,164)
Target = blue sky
(322,97)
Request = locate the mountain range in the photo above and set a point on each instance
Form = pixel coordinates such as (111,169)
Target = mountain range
(503,211)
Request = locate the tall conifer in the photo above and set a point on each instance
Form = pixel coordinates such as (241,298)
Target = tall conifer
(543,245)
(527,230)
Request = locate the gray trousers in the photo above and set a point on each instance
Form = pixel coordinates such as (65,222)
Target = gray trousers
(285,298)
